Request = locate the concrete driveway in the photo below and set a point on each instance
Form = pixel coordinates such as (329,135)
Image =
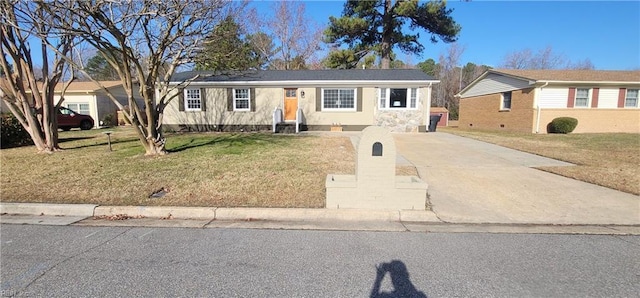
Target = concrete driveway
(476,182)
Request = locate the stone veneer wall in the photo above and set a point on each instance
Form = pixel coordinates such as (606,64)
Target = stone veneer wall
(399,121)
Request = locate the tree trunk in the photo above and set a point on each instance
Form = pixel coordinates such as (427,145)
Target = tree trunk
(154,148)
(50,121)
(37,135)
(387,30)
(154,142)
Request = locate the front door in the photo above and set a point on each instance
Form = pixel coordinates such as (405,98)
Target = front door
(290,104)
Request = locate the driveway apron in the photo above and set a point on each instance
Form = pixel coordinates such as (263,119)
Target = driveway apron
(477,182)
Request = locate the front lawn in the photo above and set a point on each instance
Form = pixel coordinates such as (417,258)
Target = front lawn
(607,159)
(203,169)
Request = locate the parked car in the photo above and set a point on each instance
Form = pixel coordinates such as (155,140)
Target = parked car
(68,119)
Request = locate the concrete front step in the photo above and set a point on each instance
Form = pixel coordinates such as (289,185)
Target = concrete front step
(289,127)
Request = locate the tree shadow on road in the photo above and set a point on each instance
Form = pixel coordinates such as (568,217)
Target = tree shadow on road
(402,285)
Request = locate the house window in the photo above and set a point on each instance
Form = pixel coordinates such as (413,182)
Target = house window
(290,93)
(339,99)
(631,100)
(192,100)
(506,101)
(582,98)
(80,108)
(398,98)
(413,102)
(241,100)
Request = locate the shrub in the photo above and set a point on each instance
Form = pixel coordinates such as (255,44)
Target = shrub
(108,120)
(12,133)
(562,125)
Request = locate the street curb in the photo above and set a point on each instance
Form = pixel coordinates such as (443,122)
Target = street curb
(419,216)
(158,211)
(222,214)
(48,209)
(300,214)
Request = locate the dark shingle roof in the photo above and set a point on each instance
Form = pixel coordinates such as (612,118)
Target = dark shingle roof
(309,75)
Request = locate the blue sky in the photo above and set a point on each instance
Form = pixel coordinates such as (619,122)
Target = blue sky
(606,32)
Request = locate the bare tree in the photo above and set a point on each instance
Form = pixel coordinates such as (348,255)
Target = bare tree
(289,34)
(517,59)
(26,89)
(547,59)
(146,41)
(543,59)
(453,76)
(450,75)
(583,64)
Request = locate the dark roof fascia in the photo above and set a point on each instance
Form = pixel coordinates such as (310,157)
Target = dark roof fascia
(306,83)
(304,80)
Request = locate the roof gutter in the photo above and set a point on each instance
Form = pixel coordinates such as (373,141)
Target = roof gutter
(310,83)
(590,82)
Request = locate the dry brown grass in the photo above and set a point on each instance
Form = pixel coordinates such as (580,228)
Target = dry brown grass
(203,169)
(611,160)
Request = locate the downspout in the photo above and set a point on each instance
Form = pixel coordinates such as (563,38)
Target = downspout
(428,107)
(538,106)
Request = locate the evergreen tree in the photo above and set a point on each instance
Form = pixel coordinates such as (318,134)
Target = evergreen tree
(100,70)
(376,26)
(429,66)
(225,49)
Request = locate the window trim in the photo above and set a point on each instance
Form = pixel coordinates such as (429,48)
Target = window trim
(355,100)
(386,105)
(186,100)
(626,96)
(78,110)
(248,99)
(502,106)
(588,103)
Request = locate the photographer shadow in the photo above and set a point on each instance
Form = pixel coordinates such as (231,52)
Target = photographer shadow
(402,286)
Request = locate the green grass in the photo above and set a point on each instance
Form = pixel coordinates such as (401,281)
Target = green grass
(607,159)
(202,169)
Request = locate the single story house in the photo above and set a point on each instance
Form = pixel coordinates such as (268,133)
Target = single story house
(319,99)
(89,99)
(528,100)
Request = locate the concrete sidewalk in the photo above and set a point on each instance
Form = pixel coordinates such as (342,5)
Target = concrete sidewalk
(476,182)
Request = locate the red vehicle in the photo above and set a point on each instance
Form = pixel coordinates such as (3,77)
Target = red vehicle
(68,119)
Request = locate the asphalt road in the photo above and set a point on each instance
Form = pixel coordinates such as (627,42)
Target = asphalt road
(73,261)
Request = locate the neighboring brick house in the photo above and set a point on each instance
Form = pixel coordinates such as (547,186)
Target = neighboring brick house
(527,100)
(350,100)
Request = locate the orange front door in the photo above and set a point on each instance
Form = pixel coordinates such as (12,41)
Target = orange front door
(290,104)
